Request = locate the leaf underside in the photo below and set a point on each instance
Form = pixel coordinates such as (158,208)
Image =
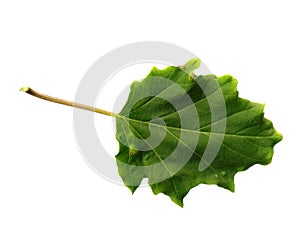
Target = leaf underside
(247,138)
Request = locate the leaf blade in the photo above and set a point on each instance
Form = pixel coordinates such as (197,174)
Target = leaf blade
(248,139)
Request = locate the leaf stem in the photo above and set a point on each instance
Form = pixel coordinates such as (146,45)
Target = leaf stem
(34,93)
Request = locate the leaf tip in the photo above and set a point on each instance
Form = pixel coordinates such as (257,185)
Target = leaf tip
(194,62)
(278,137)
(178,202)
(132,188)
(191,65)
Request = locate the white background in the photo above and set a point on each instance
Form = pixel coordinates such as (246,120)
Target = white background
(49,46)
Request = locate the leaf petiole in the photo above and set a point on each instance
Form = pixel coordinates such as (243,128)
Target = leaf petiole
(34,93)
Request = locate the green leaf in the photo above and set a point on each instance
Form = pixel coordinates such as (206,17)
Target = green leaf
(180,131)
